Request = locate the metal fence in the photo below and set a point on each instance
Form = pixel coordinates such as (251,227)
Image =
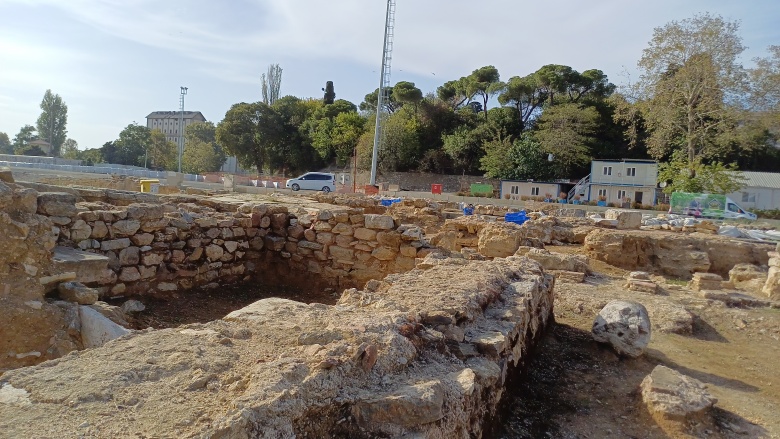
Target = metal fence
(99,169)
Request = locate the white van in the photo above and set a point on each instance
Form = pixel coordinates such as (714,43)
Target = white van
(313,181)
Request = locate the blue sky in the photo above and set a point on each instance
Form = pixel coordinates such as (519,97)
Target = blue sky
(115,61)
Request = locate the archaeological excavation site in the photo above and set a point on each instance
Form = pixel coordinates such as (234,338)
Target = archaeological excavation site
(199,314)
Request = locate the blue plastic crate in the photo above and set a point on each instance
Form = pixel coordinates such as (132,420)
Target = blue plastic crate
(516,217)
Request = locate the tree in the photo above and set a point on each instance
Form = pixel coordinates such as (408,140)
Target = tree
(464,147)
(160,152)
(330,94)
(522,159)
(26,135)
(690,78)
(369,102)
(131,146)
(566,131)
(53,121)
(486,83)
(70,149)
(347,129)
(406,92)
(249,131)
(526,95)
(271,84)
(457,93)
(201,151)
(707,178)
(5,144)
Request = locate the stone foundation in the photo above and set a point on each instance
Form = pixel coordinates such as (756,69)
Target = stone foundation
(421,354)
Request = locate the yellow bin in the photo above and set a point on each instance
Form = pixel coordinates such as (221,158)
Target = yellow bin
(146,185)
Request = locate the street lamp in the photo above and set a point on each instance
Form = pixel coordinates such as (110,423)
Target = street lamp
(181,123)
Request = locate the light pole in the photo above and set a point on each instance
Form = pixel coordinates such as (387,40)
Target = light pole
(181,123)
(51,128)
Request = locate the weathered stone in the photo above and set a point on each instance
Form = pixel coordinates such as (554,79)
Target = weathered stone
(310,235)
(130,256)
(310,245)
(343,254)
(80,230)
(231,246)
(384,253)
(125,227)
(77,292)
(625,326)
(275,243)
(96,329)
(167,286)
(626,219)
(129,274)
(557,261)
(6,175)
(59,204)
(99,230)
(379,222)
(178,256)
(706,281)
(154,225)
(365,234)
(343,229)
(325,238)
(409,406)
(296,231)
(152,259)
(147,272)
(214,252)
(671,395)
(115,244)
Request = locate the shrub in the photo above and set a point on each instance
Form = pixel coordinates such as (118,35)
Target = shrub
(768,214)
(612,205)
(661,207)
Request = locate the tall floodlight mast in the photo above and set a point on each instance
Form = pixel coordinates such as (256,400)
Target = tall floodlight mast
(181,124)
(384,84)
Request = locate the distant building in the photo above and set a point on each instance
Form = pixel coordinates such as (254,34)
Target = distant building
(617,180)
(761,191)
(168,122)
(43,145)
(522,189)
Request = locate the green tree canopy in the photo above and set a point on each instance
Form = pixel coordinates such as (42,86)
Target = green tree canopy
(567,132)
(53,121)
(70,149)
(130,147)
(26,135)
(6,147)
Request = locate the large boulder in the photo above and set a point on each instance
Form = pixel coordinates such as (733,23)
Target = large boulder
(77,292)
(672,395)
(772,285)
(625,326)
(556,261)
(747,277)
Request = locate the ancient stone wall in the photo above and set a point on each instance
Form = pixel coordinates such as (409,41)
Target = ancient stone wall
(423,354)
(162,248)
(672,254)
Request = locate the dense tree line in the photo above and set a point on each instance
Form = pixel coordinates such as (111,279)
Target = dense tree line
(694,108)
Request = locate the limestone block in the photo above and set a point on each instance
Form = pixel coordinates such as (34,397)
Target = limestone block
(275,243)
(154,225)
(147,272)
(231,246)
(77,292)
(672,395)
(343,229)
(125,227)
(310,245)
(384,253)
(145,211)
(152,259)
(96,329)
(214,252)
(80,230)
(390,239)
(571,277)
(625,326)
(99,230)
(6,175)
(129,274)
(178,256)
(365,234)
(706,281)
(379,222)
(325,238)
(130,256)
(343,254)
(296,231)
(115,244)
(772,285)
(57,204)
(626,219)
(558,261)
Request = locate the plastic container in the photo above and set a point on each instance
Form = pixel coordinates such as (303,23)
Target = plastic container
(389,201)
(146,185)
(516,217)
(436,189)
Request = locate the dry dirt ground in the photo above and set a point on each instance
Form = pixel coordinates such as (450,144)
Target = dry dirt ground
(574,387)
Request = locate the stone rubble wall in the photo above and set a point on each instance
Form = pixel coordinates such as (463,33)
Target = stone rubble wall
(423,354)
(163,248)
(772,285)
(671,254)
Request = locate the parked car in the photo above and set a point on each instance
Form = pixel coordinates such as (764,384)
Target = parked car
(313,181)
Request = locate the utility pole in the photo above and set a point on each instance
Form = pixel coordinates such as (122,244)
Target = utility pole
(181,124)
(384,83)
